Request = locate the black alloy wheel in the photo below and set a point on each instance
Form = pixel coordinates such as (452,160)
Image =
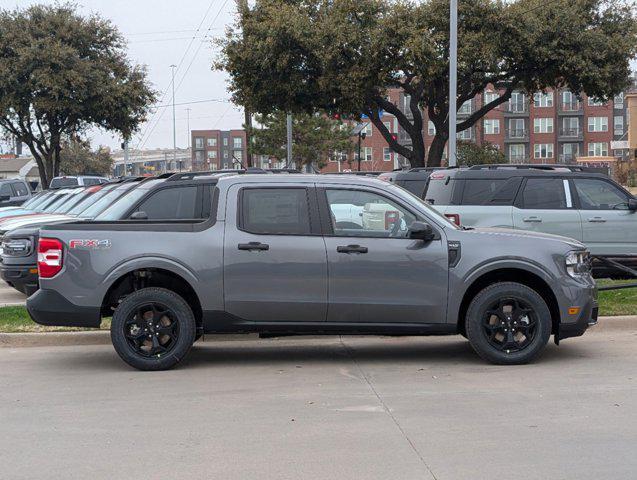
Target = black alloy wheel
(152,330)
(510,325)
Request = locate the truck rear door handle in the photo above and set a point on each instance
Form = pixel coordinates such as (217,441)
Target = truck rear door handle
(351,249)
(254,246)
(533,219)
(597,220)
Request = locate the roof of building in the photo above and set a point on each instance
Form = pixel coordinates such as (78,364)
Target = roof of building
(11,165)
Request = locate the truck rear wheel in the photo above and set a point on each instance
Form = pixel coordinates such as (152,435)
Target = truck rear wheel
(153,329)
(508,323)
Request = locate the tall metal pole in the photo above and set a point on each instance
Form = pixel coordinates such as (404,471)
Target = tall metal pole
(174,120)
(453,79)
(289,145)
(188,124)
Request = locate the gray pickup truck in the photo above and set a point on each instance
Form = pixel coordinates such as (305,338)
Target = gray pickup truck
(284,254)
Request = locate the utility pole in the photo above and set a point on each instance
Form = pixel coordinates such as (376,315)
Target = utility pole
(125,156)
(289,145)
(188,124)
(248,129)
(174,120)
(453,79)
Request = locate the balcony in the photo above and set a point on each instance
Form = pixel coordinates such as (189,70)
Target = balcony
(517,135)
(518,159)
(516,108)
(567,157)
(571,133)
(570,108)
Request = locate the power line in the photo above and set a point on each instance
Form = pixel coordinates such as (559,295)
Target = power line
(219,100)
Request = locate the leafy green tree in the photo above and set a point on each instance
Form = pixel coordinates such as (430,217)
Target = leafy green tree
(60,74)
(314,138)
(470,154)
(342,56)
(77,158)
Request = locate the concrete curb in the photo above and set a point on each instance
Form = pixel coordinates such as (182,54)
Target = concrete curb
(103,337)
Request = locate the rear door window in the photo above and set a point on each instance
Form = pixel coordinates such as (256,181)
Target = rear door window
(21,189)
(275,211)
(5,190)
(545,194)
(176,203)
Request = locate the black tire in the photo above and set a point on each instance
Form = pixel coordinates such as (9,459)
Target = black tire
(148,312)
(508,323)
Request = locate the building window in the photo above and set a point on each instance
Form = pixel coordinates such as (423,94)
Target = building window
(598,124)
(387,126)
(490,97)
(543,125)
(541,99)
(543,150)
(598,149)
(517,102)
(516,128)
(367,130)
(431,128)
(517,153)
(465,108)
(570,102)
(198,142)
(212,142)
(618,100)
(570,127)
(491,126)
(569,152)
(464,134)
(212,154)
(237,142)
(199,156)
(406,102)
(225,154)
(618,125)
(595,102)
(368,154)
(225,141)
(387,154)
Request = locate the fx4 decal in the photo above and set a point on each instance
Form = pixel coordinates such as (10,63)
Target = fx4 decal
(90,243)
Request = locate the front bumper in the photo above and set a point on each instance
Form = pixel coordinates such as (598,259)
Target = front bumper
(587,318)
(22,278)
(48,307)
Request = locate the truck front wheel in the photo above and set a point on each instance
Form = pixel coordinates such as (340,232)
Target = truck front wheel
(508,323)
(153,329)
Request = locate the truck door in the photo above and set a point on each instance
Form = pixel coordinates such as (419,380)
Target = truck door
(275,265)
(376,273)
(546,205)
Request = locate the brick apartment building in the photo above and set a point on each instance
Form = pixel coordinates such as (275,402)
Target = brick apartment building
(218,149)
(550,127)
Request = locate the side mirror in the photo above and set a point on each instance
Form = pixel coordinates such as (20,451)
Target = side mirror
(632,204)
(421,231)
(139,215)
(4,198)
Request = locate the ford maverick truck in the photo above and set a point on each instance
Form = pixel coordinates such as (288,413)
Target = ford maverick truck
(308,254)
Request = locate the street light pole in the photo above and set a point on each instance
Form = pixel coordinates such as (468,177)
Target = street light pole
(174,120)
(453,79)
(289,137)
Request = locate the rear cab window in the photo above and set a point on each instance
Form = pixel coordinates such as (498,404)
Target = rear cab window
(440,189)
(61,182)
(274,211)
(174,203)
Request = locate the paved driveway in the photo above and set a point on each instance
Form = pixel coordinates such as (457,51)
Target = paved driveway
(10,296)
(360,408)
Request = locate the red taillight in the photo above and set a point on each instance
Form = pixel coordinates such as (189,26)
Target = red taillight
(454,217)
(391,217)
(49,257)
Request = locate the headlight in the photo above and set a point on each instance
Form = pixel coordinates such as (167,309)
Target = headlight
(578,263)
(18,247)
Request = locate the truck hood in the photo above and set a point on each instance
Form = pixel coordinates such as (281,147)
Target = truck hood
(510,233)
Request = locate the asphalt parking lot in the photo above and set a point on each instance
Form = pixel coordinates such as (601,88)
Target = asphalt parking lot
(369,408)
(10,296)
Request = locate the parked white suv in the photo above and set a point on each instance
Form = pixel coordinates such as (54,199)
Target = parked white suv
(76,181)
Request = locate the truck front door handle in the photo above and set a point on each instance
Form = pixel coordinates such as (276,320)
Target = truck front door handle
(597,220)
(254,246)
(533,219)
(351,249)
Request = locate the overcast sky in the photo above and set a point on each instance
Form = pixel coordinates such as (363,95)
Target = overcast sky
(161,33)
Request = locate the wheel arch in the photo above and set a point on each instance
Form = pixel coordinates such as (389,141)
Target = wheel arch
(510,274)
(151,276)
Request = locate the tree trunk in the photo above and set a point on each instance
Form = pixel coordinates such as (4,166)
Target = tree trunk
(436,150)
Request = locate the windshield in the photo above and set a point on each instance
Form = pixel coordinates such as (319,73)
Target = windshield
(56,200)
(86,202)
(432,211)
(106,200)
(121,206)
(80,198)
(36,200)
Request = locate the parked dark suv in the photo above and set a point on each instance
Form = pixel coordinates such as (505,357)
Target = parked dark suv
(14,192)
